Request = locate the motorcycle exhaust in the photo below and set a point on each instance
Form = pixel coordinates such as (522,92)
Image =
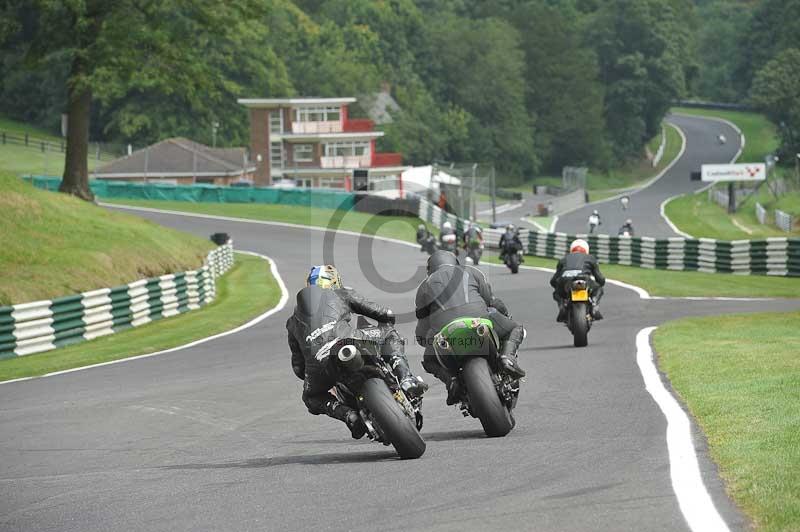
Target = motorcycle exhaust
(350,358)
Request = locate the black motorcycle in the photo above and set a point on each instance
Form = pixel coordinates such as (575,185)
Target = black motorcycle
(474,249)
(428,244)
(468,348)
(579,308)
(512,255)
(367,384)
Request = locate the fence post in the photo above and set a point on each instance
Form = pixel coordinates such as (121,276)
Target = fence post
(26,139)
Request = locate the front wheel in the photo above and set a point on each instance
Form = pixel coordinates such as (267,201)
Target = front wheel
(483,398)
(580,326)
(396,426)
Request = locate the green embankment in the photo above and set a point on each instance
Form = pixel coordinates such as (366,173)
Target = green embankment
(696,215)
(247,290)
(22,160)
(399,227)
(56,245)
(739,376)
(668,283)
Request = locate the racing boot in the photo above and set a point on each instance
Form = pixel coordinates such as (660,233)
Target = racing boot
(412,386)
(596,315)
(449,380)
(349,416)
(562,313)
(508,354)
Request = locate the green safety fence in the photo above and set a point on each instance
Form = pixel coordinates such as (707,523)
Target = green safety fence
(324,199)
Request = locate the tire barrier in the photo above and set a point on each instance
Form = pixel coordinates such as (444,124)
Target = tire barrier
(771,256)
(40,326)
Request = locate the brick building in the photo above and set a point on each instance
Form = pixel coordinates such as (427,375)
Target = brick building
(314,143)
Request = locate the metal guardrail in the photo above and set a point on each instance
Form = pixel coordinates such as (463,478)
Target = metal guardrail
(761,213)
(783,220)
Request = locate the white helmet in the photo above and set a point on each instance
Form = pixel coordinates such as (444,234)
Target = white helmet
(595,212)
(579,246)
(447,225)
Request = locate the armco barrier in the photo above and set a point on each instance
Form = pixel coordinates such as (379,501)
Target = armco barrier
(30,328)
(325,199)
(773,256)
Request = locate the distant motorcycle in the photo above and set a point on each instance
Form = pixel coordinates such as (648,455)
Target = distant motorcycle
(449,242)
(468,347)
(367,384)
(474,250)
(512,255)
(594,221)
(428,244)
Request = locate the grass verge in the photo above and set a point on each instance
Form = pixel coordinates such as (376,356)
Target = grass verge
(746,404)
(247,290)
(668,283)
(56,245)
(399,227)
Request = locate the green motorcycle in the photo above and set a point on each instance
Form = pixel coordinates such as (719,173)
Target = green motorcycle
(468,347)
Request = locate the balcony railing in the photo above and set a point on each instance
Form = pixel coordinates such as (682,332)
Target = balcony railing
(353,161)
(316,127)
(358,125)
(387,159)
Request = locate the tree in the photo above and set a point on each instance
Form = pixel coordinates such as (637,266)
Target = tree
(776,91)
(562,89)
(645,59)
(111,46)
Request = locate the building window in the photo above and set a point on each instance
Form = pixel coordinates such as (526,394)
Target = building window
(347,149)
(331,182)
(276,121)
(276,154)
(317,114)
(305,182)
(303,153)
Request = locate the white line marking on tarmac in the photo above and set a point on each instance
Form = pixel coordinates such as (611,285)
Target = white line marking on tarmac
(693,498)
(631,192)
(505,207)
(742,141)
(258,319)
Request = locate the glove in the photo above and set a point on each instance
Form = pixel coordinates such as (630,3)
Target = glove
(356,426)
(300,372)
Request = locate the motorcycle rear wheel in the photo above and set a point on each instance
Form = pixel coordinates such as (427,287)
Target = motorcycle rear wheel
(398,428)
(483,398)
(580,327)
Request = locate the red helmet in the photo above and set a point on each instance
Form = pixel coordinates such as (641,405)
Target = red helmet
(579,246)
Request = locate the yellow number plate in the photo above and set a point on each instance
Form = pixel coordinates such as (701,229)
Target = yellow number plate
(580,295)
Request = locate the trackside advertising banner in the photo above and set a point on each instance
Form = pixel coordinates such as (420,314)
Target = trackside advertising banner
(734,172)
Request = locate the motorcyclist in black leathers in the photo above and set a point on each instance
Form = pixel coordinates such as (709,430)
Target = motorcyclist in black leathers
(322,314)
(452,291)
(510,236)
(422,233)
(627,227)
(578,260)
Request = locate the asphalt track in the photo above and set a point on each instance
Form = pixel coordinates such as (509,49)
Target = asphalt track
(215,437)
(702,147)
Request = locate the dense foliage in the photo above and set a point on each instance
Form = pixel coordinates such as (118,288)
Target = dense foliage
(530,85)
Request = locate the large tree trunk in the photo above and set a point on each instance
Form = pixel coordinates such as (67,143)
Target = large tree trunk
(76,168)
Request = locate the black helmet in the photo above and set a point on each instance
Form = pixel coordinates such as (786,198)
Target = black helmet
(441,258)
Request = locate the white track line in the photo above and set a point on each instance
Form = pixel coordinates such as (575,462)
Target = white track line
(738,154)
(631,192)
(258,319)
(693,498)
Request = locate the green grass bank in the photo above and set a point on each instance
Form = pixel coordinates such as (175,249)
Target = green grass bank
(739,376)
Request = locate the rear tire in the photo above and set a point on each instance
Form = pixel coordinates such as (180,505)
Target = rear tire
(483,398)
(513,264)
(580,328)
(396,426)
